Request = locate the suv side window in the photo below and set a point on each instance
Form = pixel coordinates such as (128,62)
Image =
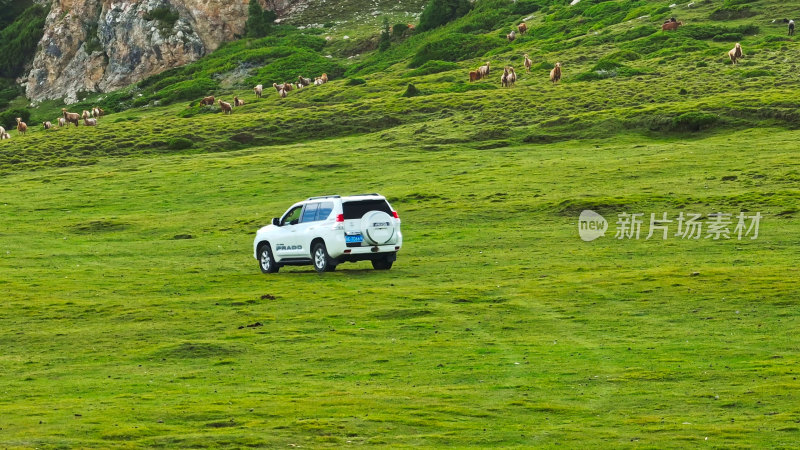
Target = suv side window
(292,217)
(324,210)
(309,213)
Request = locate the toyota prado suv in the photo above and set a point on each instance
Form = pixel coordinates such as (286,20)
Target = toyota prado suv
(327,231)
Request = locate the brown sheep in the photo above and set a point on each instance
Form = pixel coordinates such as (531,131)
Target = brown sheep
(85,114)
(473,76)
(95,112)
(101,112)
(237,102)
(508,78)
(225,107)
(303,81)
(528,63)
(47,125)
(735,53)
(324,78)
(22,127)
(522,28)
(61,122)
(282,93)
(511,36)
(288,87)
(207,101)
(670,25)
(555,74)
(258,90)
(70,117)
(89,122)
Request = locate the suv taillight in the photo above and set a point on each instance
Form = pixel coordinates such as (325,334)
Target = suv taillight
(340,218)
(395,215)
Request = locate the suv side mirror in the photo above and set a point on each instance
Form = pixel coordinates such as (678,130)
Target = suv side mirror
(276,221)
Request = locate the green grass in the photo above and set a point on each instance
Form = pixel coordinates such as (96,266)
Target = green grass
(132,300)
(497,325)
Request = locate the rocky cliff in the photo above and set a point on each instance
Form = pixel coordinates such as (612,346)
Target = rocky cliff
(101,45)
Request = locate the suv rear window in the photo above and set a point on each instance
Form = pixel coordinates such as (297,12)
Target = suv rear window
(356,209)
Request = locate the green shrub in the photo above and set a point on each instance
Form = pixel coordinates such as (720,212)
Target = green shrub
(755,73)
(433,66)
(179,143)
(411,91)
(18,41)
(356,82)
(259,21)
(454,47)
(728,37)
(8,118)
(694,121)
(8,91)
(399,30)
(732,12)
(440,12)
(528,6)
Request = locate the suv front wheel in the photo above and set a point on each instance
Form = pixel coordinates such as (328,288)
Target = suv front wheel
(266,261)
(322,261)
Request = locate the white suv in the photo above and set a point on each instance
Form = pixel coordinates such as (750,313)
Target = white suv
(326,231)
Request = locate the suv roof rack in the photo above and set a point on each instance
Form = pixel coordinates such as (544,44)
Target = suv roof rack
(324,196)
(365,195)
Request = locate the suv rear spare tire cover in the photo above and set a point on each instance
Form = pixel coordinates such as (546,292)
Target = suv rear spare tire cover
(377,227)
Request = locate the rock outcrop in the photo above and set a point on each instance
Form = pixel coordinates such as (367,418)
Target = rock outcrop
(102,45)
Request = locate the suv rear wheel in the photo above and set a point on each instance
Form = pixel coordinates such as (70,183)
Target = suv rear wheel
(266,261)
(322,261)
(382,263)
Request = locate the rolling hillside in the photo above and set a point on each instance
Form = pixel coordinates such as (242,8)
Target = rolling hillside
(135,315)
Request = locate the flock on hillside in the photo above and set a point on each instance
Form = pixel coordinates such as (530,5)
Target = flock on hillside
(507,79)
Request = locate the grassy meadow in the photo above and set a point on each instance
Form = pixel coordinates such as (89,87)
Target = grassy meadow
(135,315)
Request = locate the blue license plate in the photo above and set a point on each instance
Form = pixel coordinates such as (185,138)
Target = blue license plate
(352,238)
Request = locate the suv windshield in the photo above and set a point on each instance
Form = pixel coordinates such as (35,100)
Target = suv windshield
(356,209)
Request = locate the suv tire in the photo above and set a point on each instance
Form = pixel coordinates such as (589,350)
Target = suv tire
(265,260)
(382,263)
(322,261)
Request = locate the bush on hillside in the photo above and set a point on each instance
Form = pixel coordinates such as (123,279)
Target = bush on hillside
(8,118)
(694,121)
(454,47)
(356,82)
(608,69)
(433,66)
(8,91)
(259,21)
(179,143)
(18,41)
(411,91)
(440,12)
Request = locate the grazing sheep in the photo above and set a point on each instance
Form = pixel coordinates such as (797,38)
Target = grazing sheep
(237,102)
(473,76)
(259,89)
(61,122)
(528,63)
(278,87)
(95,112)
(22,127)
(225,107)
(324,78)
(522,28)
(671,25)
(318,81)
(303,81)
(735,53)
(288,87)
(47,125)
(4,135)
(70,117)
(2,130)
(555,74)
(791,28)
(207,101)
(282,93)
(483,71)
(511,36)
(89,122)
(101,112)
(85,114)
(509,77)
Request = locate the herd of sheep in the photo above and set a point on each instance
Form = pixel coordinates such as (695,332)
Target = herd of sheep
(508,79)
